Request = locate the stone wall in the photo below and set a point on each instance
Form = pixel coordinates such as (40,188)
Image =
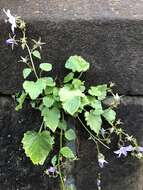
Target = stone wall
(109,34)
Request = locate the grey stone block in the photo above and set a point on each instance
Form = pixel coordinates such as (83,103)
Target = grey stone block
(16,171)
(109,34)
(124,173)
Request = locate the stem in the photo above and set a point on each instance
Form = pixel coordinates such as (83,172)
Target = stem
(95,139)
(80,75)
(59,167)
(32,61)
(97,146)
(41,127)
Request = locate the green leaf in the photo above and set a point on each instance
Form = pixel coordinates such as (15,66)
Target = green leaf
(36,54)
(56,91)
(62,125)
(68,77)
(77,83)
(93,121)
(37,146)
(99,91)
(48,90)
(45,66)
(109,115)
(51,117)
(49,81)
(34,89)
(84,102)
(70,135)
(77,63)
(96,104)
(48,101)
(71,99)
(21,100)
(72,104)
(26,72)
(67,152)
(54,160)
(66,93)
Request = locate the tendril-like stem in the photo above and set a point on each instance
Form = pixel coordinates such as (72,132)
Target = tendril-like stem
(33,66)
(95,139)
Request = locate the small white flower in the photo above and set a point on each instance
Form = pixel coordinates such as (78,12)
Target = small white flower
(117,98)
(103,131)
(11,19)
(101,160)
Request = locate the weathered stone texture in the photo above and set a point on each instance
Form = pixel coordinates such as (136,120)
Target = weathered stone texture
(113,45)
(125,173)
(16,171)
(108,34)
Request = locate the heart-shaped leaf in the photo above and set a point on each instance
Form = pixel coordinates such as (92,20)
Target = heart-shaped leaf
(26,72)
(99,91)
(36,54)
(67,152)
(70,135)
(72,105)
(45,66)
(51,117)
(37,146)
(109,115)
(34,89)
(48,101)
(93,121)
(77,63)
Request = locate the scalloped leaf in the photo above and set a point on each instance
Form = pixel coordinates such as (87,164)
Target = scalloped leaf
(109,115)
(93,121)
(45,66)
(48,101)
(97,105)
(62,125)
(99,91)
(51,117)
(70,135)
(77,64)
(68,77)
(26,72)
(37,146)
(72,105)
(34,89)
(66,93)
(67,152)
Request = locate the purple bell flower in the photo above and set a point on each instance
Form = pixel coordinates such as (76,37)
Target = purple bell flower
(10,41)
(124,150)
(51,169)
(140,149)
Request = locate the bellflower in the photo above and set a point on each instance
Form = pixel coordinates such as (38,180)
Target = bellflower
(52,170)
(11,41)
(102,131)
(124,150)
(11,19)
(140,149)
(101,160)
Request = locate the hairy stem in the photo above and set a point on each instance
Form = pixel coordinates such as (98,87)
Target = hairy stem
(33,66)
(59,166)
(95,139)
